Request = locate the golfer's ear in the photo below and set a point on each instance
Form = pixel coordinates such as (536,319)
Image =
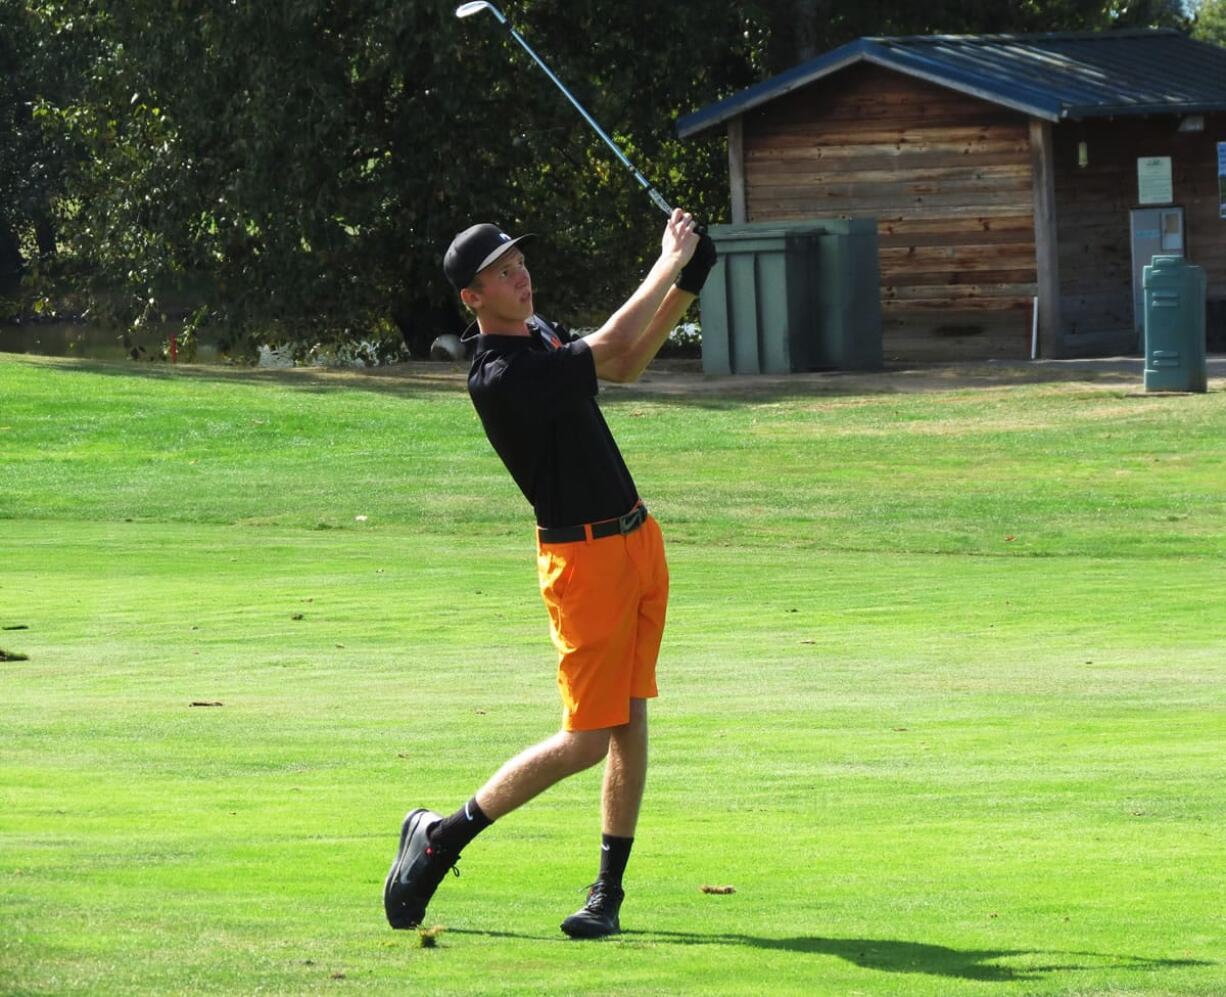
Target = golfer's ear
(470,298)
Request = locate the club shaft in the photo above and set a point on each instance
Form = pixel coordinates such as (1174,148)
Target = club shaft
(656,197)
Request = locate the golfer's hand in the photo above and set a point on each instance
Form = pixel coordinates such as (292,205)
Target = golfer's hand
(694,274)
(680,239)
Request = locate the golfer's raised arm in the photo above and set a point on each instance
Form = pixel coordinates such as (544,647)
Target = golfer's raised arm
(625,344)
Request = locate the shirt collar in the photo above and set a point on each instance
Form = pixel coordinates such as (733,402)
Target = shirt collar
(494,341)
(539,335)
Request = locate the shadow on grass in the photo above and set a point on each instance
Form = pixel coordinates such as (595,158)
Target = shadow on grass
(892,956)
(407,380)
(673,382)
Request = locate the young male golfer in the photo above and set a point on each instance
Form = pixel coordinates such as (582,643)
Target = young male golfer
(600,555)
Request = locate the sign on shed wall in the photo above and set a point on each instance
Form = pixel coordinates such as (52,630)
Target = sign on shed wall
(1154,180)
(1221,179)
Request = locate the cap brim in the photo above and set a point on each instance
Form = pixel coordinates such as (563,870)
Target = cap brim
(500,252)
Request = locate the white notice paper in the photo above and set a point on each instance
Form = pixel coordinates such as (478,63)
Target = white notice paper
(1154,180)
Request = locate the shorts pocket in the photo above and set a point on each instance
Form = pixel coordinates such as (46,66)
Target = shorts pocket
(554,573)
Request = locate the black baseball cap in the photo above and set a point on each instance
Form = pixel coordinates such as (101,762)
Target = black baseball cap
(473,250)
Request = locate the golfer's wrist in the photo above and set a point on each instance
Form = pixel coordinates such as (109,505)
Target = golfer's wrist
(670,266)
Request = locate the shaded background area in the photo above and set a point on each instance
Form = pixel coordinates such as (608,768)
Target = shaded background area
(292,172)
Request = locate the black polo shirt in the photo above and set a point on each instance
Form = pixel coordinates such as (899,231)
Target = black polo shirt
(537,401)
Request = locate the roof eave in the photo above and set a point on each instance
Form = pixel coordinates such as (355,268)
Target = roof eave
(861,50)
(1048,112)
(1087,112)
(760,93)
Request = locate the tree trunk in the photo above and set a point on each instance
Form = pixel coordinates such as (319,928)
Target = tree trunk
(44,233)
(12,264)
(796,32)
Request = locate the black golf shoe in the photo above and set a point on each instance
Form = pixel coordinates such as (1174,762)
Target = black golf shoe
(598,917)
(416,871)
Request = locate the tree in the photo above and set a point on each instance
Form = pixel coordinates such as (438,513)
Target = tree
(302,165)
(1210,23)
(799,29)
(35,65)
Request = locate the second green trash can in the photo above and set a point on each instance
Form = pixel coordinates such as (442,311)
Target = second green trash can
(1174,325)
(793,297)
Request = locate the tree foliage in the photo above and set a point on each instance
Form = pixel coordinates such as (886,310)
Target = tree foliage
(295,170)
(300,167)
(35,64)
(795,30)
(1210,24)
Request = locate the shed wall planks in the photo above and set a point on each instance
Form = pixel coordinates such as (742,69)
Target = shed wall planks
(948,178)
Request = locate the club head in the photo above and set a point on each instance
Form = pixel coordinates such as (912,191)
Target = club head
(468,9)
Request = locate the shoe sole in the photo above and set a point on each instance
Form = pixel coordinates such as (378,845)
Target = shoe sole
(411,820)
(587,931)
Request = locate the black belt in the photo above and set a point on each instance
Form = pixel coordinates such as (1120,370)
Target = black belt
(628,523)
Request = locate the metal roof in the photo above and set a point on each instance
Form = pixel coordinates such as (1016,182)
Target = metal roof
(1060,76)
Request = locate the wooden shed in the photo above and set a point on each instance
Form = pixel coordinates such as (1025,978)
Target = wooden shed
(1000,169)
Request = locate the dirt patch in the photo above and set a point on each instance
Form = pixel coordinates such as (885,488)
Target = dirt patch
(686,378)
(680,378)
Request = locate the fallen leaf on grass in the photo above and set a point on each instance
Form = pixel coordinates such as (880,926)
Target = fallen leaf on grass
(717,889)
(297,616)
(808,642)
(12,656)
(338,976)
(427,938)
(1009,539)
(16,626)
(202,702)
(900,728)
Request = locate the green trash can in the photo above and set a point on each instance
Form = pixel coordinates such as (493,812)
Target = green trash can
(793,297)
(1174,325)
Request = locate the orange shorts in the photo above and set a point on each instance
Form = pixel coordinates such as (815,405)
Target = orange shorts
(606,600)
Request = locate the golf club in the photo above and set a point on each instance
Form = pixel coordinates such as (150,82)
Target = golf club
(468,9)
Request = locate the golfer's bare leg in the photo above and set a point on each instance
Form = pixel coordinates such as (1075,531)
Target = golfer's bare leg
(535,769)
(625,773)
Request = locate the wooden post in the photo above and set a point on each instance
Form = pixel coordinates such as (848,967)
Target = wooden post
(1046,245)
(736,169)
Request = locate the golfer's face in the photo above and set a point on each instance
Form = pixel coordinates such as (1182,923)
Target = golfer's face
(506,287)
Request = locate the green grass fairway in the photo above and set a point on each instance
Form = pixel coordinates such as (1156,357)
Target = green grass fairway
(943,694)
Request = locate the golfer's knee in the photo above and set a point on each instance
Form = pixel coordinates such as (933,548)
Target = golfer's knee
(637,720)
(587,747)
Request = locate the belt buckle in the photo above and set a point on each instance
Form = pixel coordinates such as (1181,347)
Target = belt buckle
(631,520)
